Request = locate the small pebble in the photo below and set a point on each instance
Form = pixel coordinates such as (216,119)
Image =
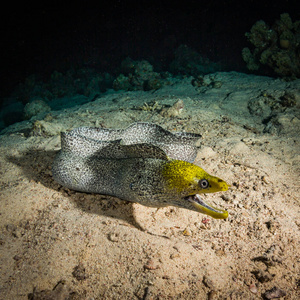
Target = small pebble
(151,265)
(208,282)
(265,179)
(174,255)
(225,197)
(274,292)
(212,295)
(187,232)
(17,232)
(113,237)
(253,288)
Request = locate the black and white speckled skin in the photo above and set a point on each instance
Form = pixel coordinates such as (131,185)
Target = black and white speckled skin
(178,145)
(125,163)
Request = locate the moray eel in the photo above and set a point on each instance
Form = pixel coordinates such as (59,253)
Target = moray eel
(143,163)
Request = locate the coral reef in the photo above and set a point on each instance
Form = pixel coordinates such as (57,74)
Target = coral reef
(276,49)
(272,102)
(278,109)
(34,108)
(203,83)
(137,75)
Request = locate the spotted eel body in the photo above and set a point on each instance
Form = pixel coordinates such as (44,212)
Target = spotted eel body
(143,163)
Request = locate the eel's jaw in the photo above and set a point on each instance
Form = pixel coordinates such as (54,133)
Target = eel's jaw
(205,208)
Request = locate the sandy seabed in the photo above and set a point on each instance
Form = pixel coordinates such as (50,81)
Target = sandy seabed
(60,244)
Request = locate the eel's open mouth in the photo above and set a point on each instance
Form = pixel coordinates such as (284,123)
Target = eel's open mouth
(205,208)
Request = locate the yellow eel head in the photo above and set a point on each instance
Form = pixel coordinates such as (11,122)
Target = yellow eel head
(188,180)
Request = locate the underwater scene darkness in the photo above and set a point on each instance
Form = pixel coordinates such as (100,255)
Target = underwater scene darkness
(150,150)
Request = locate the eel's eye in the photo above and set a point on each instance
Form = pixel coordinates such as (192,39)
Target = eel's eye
(203,183)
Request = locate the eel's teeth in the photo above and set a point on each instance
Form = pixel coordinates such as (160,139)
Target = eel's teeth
(206,208)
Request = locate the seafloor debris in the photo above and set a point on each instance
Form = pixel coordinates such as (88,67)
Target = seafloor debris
(174,111)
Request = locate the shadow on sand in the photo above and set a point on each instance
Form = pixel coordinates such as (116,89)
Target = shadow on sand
(36,165)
